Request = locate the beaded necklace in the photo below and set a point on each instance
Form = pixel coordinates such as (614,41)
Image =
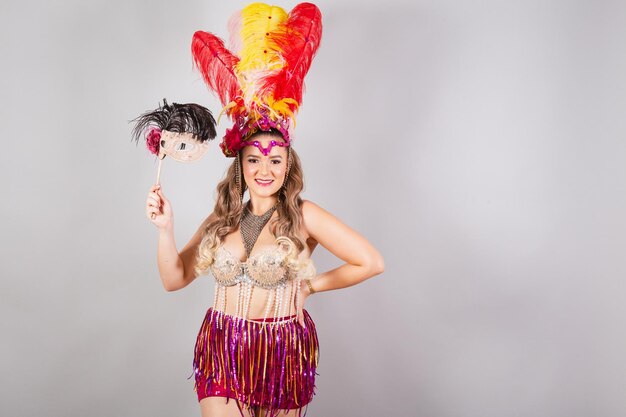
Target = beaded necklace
(251,225)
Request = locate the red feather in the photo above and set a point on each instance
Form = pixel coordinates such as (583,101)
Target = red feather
(298,39)
(216,64)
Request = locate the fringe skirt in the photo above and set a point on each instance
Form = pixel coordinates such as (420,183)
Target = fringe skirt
(271,364)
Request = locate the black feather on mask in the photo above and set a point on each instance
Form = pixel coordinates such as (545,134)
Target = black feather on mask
(179,118)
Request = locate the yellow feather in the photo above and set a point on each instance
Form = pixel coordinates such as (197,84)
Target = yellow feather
(258,52)
(282,107)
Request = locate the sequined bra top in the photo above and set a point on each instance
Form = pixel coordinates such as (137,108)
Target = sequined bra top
(275,268)
(264,269)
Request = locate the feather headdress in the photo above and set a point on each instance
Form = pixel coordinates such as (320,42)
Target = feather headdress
(260,83)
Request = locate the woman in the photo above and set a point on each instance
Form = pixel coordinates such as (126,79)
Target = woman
(257,344)
(264,177)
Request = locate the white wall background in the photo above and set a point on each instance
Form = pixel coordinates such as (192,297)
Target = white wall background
(478,144)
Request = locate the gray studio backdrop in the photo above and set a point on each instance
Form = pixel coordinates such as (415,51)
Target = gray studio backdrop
(478,144)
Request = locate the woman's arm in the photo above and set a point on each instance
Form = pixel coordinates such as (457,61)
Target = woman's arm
(177,270)
(363,261)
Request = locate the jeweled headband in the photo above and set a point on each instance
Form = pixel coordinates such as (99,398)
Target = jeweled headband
(261,78)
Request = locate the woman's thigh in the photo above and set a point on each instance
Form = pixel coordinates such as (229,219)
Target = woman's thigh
(217,407)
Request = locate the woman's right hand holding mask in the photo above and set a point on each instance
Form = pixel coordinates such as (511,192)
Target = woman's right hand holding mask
(158,208)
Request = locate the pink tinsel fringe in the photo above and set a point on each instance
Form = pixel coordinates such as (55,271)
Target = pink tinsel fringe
(269,364)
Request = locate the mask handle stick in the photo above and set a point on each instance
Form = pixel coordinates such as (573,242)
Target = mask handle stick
(152,216)
(159,172)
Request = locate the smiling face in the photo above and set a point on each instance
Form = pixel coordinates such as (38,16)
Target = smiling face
(264,174)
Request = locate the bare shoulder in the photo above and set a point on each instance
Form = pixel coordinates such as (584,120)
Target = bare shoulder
(312,213)
(316,218)
(309,208)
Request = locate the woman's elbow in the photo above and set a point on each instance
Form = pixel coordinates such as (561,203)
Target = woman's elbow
(179,283)
(170,285)
(377,266)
